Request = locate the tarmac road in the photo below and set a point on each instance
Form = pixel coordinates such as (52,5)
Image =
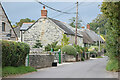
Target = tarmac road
(93,68)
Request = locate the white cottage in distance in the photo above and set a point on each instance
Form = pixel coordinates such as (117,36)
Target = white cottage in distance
(47,30)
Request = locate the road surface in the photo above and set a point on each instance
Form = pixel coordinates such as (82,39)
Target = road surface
(93,68)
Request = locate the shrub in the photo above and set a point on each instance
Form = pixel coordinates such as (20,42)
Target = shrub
(112,65)
(57,47)
(49,46)
(70,50)
(82,59)
(79,49)
(14,53)
(93,48)
(37,44)
(85,49)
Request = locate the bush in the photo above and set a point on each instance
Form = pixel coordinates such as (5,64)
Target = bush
(14,53)
(6,71)
(82,59)
(70,50)
(49,46)
(93,48)
(85,49)
(79,49)
(57,47)
(112,65)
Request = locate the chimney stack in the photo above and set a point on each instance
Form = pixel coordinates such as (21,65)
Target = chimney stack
(43,12)
(88,26)
(82,27)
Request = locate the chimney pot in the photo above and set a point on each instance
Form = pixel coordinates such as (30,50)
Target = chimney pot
(43,12)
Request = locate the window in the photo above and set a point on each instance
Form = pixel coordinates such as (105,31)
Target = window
(3,26)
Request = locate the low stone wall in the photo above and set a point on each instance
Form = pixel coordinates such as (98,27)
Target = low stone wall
(40,60)
(70,58)
(36,51)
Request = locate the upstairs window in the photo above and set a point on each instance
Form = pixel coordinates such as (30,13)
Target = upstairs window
(3,26)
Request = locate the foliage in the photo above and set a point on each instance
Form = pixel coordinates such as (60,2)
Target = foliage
(85,49)
(100,22)
(112,65)
(57,48)
(9,70)
(14,53)
(82,59)
(70,50)
(93,48)
(37,44)
(93,52)
(73,22)
(19,24)
(65,40)
(49,46)
(79,49)
(111,11)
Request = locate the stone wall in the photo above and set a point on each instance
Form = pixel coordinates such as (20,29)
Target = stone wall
(40,60)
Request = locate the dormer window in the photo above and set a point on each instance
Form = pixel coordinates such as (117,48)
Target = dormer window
(3,26)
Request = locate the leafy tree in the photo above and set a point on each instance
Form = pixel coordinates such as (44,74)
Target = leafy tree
(73,22)
(22,21)
(37,44)
(65,40)
(100,22)
(111,10)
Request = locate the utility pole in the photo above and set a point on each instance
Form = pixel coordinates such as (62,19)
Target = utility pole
(76,24)
(99,40)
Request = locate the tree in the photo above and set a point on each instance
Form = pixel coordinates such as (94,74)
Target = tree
(37,44)
(111,10)
(65,40)
(100,22)
(73,22)
(22,21)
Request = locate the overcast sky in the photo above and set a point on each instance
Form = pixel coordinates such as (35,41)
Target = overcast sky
(21,10)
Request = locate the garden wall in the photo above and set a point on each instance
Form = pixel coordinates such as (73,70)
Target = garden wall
(40,60)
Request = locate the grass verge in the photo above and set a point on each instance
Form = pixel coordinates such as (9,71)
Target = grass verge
(99,57)
(7,71)
(112,65)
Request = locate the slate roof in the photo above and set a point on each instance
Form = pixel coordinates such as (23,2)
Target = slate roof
(62,26)
(25,26)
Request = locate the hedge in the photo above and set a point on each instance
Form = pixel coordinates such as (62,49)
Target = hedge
(14,53)
(70,50)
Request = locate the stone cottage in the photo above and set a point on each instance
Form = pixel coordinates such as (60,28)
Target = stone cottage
(6,30)
(47,30)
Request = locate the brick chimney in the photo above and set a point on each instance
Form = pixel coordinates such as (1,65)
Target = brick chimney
(82,27)
(43,12)
(88,26)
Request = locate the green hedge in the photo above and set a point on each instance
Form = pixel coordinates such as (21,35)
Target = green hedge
(14,53)
(70,50)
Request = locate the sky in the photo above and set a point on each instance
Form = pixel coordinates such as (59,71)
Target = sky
(87,11)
